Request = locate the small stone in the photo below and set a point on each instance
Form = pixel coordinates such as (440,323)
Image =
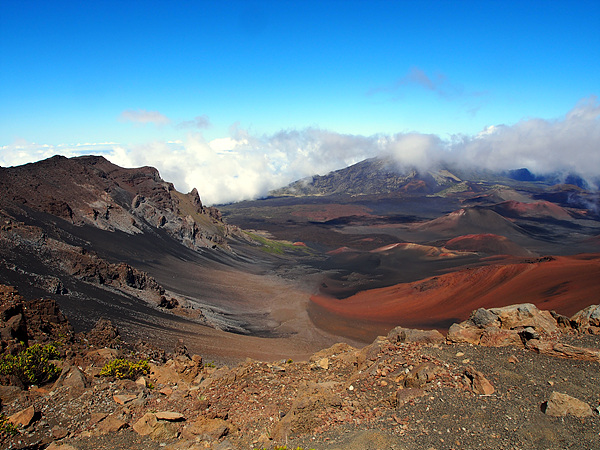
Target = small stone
(122,399)
(513,359)
(170,416)
(141,381)
(59,432)
(97,417)
(23,418)
(146,424)
(479,383)
(55,446)
(166,391)
(350,388)
(323,363)
(459,354)
(111,425)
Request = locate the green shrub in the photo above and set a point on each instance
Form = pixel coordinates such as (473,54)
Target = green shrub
(121,368)
(6,428)
(32,365)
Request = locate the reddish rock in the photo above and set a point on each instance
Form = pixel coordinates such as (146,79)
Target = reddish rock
(462,334)
(559,405)
(24,417)
(478,382)
(401,334)
(169,416)
(122,399)
(496,337)
(207,429)
(111,424)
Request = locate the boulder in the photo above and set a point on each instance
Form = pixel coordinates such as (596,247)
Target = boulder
(401,334)
(559,405)
(207,429)
(71,376)
(587,320)
(563,350)
(506,326)
(146,424)
(525,315)
(478,382)
(496,337)
(461,333)
(104,334)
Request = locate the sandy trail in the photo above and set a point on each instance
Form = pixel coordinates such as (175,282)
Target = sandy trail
(271,307)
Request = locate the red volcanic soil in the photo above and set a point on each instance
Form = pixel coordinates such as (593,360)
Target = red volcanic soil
(535,209)
(330,211)
(564,284)
(487,243)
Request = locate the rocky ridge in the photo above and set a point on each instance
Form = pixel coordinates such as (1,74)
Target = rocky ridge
(410,389)
(89,190)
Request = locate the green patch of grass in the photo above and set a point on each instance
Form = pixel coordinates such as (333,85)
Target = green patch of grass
(277,247)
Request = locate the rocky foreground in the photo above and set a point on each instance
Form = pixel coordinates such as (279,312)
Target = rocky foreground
(512,377)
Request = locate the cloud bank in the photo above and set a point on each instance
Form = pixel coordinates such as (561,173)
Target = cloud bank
(242,166)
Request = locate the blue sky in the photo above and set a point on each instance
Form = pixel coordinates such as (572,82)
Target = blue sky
(147,75)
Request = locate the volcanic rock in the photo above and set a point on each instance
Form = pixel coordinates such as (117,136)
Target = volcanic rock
(422,374)
(478,382)
(111,424)
(401,334)
(23,418)
(562,404)
(499,327)
(588,319)
(207,429)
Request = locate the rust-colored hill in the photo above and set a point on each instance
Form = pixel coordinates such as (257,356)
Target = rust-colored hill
(487,243)
(565,284)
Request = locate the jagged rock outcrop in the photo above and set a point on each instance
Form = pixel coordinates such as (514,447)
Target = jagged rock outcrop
(506,326)
(587,320)
(89,190)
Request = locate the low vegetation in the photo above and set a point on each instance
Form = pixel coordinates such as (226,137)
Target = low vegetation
(32,366)
(124,369)
(7,428)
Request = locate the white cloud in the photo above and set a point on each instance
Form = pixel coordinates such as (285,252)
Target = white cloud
(242,166)
(142,116)
(569,144)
